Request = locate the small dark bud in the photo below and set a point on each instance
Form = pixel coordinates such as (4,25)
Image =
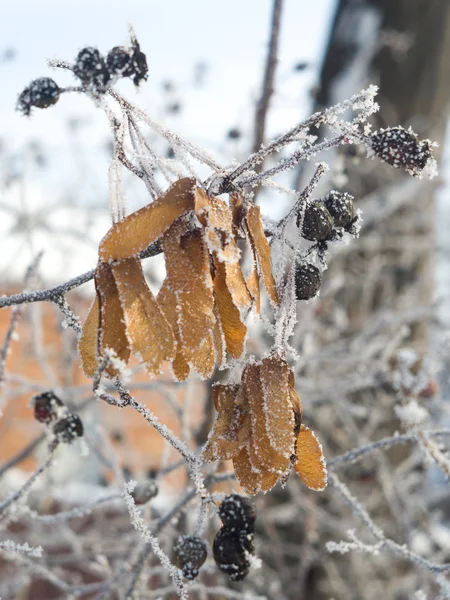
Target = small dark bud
(341,208)
(234,133)
(308,280)
(401,149)
(91,69)
(118,62)
(231,552)
(144,491)
(301,66)
(238,514)
(317,223)
(46,407)
(190,554)
(41,93)
(68,429)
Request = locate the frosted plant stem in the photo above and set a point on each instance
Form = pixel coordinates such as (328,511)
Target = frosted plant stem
(27,485)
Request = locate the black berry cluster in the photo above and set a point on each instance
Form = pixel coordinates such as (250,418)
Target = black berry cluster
(41,93)
(341,208)
(233,543)
(190,554)
(401,148)
(48,408)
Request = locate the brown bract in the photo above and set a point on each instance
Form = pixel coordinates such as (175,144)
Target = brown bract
(258,426)
(199,314)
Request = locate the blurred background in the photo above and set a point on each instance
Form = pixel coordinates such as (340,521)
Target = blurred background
(383,310)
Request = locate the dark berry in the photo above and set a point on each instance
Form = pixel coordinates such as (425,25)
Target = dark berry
(118,62)
(144,491)
(341,208)
(41,93)
(47,407)
(317,223)
(231,553)
(68,429)
(308,280)
(234,133)
(91,69)
(238,514)
(301,66)
(190,554)
(138,63)
(401,148)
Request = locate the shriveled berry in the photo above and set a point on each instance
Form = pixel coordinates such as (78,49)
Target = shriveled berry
(401,148)
(190,554)
(238,514)
(308,280)
(317,223)
(138,63)
(231,553)
(47,407)
(42,93)
(66,430)
(341,208)
(144,491)
(118,62)
(90,68)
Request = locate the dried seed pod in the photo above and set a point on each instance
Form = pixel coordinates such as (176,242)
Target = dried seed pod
(190,554)
(144,491)
(401,149)
(317,223)
(90,68)
(47,407)
(118,62)
(231,553)
(42,93)
(238,514)
(308,280)
(66,430)
(341,208)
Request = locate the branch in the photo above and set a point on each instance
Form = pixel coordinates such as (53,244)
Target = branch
(262,105)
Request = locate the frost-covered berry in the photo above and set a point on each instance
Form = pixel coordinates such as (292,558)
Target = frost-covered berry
(46,407)
(91,69)
(401,148)
(138,63)
(238,514)
(317,223)
(66,430)
(42,93)
(144,491)
(341,208)
(118,62)
(190,554)
(231,553)
(308,280)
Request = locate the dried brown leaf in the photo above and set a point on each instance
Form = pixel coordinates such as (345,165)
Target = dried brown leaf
(249,478)
(277,407)
(87,345)
(143,227)
(149,333)
(310,465)
(262,250)
(111,325)
(261,448)
(224,441)
(233,328)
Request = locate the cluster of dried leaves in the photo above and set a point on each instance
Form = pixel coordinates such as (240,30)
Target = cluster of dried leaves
(197,321)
